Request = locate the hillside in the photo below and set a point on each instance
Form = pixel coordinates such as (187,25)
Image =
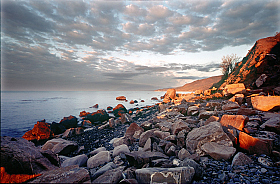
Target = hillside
(202,84)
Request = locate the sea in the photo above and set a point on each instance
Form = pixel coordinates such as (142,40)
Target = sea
(20,110)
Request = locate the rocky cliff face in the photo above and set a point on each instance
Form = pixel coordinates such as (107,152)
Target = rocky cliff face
(262,60)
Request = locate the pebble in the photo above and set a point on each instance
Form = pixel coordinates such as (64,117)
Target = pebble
(263,170)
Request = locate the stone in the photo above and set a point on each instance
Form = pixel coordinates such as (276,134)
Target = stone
(213,132)
(165,175)
(19,156)
(139,158)
(234,89)
(191,163)
(120,149)
(261,80)
(179,126)
(148,145)
(265,162)
(163,107)
(69,174)
(113,176)
(273,124)
(123,140)
(206,114)
(103,169)
(72,132)
(192,110)
(171,151)
(255,145)
(131,102)
(218,151)
(211,119)
(238,98)
(41,131)
(57,128)
(100,158)
(121,98)
(86,124)
(118,110)
(161,134)
(164,126)
(69,122)
(170,93)
(146,125)
(234,121)
(266,103)
(15,178)
(241,159)
(94,152)
(126,118)
(246,111)
(183,153)
(60,146)
(79,160)
(145,136)
(112,123)
(230,106)
(98,116)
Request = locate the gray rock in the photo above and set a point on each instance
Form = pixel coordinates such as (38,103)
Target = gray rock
(79,160)
(103,169)
(69,174)
(98,159)
(165,175)
(110,176)
(120,149)
(183,153)
(218,151)
(94,152)
(241,159)
(191,163)
(60,146)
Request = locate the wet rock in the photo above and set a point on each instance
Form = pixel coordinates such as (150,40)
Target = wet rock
(266,103)
(234,89)
(69,174)
(79,160)
(86,124)
(57,128)
(241,159)
(120,149)
(218,151)
(111,176)
(119,110)
(98,116)
(41,131)
(234,121)
(255,145)
(60,146)
(69,122)
(212,132)
(167,175)
(20,156)
(98,159)
(272,124)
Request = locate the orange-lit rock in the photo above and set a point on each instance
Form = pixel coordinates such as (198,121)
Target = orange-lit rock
(15,178)
(255,145)
(234,89)
(121,98)
(236,121)
(266,103)
(40,131)
(84,114)
(119,109)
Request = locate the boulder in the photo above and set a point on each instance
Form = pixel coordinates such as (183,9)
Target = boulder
(15,178)
(161,134)
(234,89)
(213,132)
(79,160)
(111,176)
(60,146)
(95,106)
(170,94)
(165,175)
(121,98)
(246,111)
(41,131)
(261,80)
(98,116)
(57,128)
(20,156)
(118,110)
(272,124)
(69,122)
(218,151)
(178,126)
(69,174)
(102,170)
(94,152)
(266,103)
(192,110)
(145,136)
(241,159)
(126,118)
(72,131)
(206,114)
(131,102)
(255,145)
(211,119)
(235,121)
(238,98)
(187,162)
(120,149)
(183,153)
(230,106)
(98,159)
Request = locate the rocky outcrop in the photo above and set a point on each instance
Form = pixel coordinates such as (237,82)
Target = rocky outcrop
(41,131)
(98,116)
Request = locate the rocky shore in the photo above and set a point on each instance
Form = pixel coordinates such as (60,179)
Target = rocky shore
(211,136)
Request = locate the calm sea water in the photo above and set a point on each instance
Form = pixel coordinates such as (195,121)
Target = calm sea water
(21,110)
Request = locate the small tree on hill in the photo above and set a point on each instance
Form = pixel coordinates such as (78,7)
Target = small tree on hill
(228,63)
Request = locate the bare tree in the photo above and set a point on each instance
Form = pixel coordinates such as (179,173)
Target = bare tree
(228,63)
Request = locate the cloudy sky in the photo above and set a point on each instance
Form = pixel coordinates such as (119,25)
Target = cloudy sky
(125,45)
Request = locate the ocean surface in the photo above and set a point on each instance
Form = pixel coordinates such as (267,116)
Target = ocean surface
(21,110)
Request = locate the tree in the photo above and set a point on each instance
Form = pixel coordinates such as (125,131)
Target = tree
(228,63)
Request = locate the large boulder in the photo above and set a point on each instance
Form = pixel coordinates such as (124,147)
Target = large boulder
(20,156)
(266,103)
(218,151)
(60,146)
(165,175)
(57,128)
(213,132)
(234,89)
(170,94)
(234,121)
(41,131)
(118,110)
(132,129)
(98,159)
(98,116)
(79,160)
(69,122)
(69,174)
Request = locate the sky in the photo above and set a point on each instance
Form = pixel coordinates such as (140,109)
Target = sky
(67,45)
